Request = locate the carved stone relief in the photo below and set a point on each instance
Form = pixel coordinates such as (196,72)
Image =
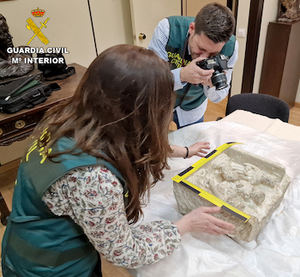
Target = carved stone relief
(289,10)
(247,182)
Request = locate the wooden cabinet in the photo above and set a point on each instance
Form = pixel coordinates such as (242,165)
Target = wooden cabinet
(17,126)
(281,65)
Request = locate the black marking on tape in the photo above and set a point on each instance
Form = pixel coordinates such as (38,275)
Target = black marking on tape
(209,154)
(191,188)
(185,171)
(234,213)
(230,142)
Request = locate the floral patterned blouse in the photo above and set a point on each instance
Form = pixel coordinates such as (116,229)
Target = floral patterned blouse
(93,198)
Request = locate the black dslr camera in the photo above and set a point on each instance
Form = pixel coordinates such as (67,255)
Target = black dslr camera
(219,64)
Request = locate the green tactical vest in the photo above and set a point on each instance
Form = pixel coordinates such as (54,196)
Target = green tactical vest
(179,26)
(37,242)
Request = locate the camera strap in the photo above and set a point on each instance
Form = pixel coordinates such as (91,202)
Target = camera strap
(186,89)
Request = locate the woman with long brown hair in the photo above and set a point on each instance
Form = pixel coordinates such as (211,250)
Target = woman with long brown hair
(81,183)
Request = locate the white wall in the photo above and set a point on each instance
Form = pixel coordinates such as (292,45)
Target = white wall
(70,26)
(241,26)
(298,94)
(112,22)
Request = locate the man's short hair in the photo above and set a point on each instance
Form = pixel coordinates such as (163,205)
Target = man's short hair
(216,22)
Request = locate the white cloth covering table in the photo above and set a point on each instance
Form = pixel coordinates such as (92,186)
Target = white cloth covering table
(277,250)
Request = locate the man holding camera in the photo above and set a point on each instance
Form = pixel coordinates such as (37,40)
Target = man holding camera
(184,42)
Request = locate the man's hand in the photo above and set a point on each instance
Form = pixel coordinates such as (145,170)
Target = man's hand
(193,74)
(201,220)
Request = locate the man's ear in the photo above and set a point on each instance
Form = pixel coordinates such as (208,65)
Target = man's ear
(192,28)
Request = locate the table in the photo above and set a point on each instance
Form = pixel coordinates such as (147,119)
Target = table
(18,126)
(276,252)
(274,127)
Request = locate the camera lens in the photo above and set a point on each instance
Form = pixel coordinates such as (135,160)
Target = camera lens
(219,80)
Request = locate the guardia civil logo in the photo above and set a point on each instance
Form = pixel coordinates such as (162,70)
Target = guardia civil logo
(37,25)
(37,30)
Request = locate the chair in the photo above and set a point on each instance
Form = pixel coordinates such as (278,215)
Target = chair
(262,104)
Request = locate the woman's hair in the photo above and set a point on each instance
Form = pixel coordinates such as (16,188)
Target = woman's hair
(122,107)
(216,22)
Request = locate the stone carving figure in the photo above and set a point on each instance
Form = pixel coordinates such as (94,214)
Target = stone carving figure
(7,68)
(289,10)
(5,38)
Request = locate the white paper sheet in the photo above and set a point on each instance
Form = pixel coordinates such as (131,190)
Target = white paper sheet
(277,250)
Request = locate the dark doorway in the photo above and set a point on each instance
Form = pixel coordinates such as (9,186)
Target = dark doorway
(253,34)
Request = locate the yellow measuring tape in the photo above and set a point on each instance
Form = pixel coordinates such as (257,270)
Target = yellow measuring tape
(181,179)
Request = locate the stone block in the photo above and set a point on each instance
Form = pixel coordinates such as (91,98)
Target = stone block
(249,183)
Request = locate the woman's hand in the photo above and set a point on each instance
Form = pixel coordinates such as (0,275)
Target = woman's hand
(202,220)
(199,149)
